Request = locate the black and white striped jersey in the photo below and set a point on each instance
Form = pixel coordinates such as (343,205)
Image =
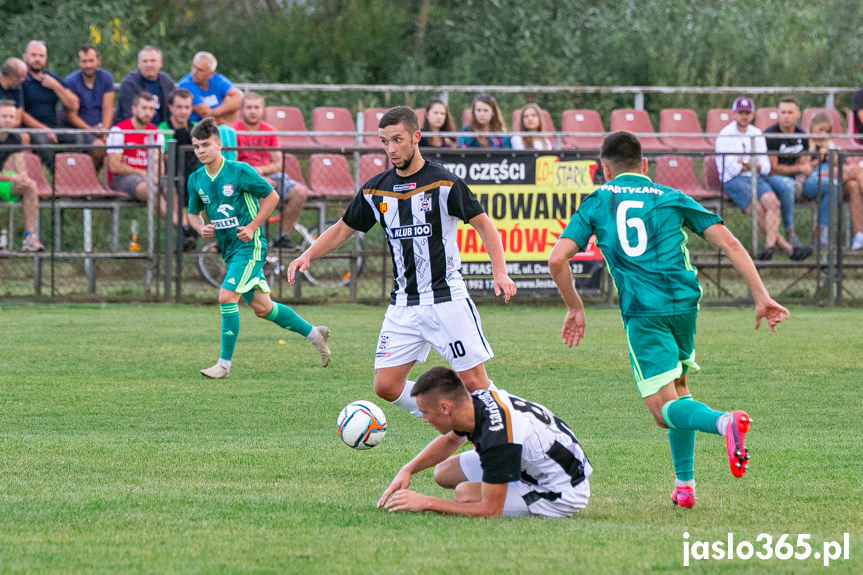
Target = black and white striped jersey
(419,215)
(522,440)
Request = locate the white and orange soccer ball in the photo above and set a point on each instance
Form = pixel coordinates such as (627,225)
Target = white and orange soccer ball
(362,424)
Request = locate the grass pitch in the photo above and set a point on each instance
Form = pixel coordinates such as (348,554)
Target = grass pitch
(116,456)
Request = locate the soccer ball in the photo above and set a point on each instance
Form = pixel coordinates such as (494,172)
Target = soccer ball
(362,424)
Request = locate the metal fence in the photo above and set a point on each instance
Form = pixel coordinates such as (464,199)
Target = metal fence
(88,230)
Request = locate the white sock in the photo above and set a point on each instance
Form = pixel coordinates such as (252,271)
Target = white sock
(679,483)
(226,363)
(406,402)
(722,423)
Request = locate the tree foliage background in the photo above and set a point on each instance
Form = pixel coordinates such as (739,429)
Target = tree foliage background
(496,42)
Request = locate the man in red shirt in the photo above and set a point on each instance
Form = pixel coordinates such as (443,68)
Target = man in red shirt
(127,167)
(268,163)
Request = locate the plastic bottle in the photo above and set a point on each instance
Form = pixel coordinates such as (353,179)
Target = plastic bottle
(134,246)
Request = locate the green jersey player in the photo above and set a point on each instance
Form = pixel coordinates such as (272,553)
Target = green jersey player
(237,200)
(639,228)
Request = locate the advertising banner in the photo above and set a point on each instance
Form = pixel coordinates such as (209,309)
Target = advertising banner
(530,200)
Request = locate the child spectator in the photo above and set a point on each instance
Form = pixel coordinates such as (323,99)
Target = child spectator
(531,121)
(820,179)
(438,119)
(485,117)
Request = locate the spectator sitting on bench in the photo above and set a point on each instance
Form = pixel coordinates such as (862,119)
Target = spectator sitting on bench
(16,183)
(269,163)
(740,148)
(12,75)
(128,167)
(215,95)
(94,88)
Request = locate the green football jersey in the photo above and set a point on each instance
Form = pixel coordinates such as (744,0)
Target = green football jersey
(231,200)
(639,228)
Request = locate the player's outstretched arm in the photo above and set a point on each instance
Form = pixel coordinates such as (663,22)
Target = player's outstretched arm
(488,502)
(503,284)
(326,242)
(765,306)
(558,264)
(435,452)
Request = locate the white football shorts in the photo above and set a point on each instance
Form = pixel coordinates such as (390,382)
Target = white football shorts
(518,493)
(453,328)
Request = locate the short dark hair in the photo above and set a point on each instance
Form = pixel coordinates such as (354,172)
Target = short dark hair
(143,95)
(9,103)
(441,381)
(400,115)
(179,93)
(84,48)
(205,129)
(621,151)
(790,100)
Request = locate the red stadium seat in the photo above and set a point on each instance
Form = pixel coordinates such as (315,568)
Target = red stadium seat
(585,121)
(371,165)
(677,172)
(547,123)
(717,118)
(766,117)
(682,121)
(289,119)
(637,122)
(712,182)
(371,117)
(292,168)
(325,119)
(75,176)
(33,167)
(330,176)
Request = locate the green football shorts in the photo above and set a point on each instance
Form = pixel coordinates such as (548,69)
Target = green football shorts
(661,348)
(245,275)
(6,189)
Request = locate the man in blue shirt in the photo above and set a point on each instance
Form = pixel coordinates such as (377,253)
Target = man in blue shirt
(214,95)
(12,75)
(42,91)
(148,77)
(95,90)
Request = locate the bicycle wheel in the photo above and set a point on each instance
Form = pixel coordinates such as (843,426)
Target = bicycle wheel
(211,267)
(333,270)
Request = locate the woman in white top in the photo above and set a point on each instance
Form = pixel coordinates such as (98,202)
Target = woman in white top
(531,121)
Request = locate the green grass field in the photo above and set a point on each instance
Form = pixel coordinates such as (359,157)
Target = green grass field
(117,456)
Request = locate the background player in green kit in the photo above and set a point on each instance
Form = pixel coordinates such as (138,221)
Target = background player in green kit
(639,228)
(237,201)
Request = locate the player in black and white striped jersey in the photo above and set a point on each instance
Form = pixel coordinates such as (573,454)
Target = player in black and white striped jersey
(526,460)
(418,204)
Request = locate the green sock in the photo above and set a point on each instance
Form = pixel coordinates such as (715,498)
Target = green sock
(682,442)
(285,317)
(690,414)
(230,329)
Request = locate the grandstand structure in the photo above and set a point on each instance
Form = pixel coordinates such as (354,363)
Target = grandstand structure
(333,150)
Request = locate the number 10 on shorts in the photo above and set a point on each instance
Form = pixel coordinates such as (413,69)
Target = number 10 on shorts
(456,348)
